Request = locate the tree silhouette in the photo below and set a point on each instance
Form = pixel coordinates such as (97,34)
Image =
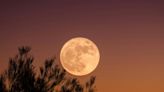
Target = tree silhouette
(2,84)
(22,77)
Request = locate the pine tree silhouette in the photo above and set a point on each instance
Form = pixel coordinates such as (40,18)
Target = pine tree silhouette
(22,77)
(2,84)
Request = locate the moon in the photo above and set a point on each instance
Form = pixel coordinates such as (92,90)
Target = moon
(79,56)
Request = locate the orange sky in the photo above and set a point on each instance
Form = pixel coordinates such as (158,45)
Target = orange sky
(129,34)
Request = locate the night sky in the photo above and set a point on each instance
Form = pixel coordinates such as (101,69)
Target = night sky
(128,33)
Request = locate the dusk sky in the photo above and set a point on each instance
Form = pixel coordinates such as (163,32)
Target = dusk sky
(128,33)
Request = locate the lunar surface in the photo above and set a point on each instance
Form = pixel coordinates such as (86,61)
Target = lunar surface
(79,56)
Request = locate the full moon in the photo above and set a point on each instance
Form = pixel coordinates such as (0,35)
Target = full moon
(79,56)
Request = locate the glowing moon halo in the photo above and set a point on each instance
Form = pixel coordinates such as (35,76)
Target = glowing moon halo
(79,56)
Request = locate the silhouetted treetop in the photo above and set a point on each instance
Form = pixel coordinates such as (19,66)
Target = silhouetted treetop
(20,76)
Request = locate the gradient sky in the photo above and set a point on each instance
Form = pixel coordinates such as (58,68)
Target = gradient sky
(129,34)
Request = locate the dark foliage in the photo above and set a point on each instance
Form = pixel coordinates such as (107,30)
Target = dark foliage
(2,84)
(21,77)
